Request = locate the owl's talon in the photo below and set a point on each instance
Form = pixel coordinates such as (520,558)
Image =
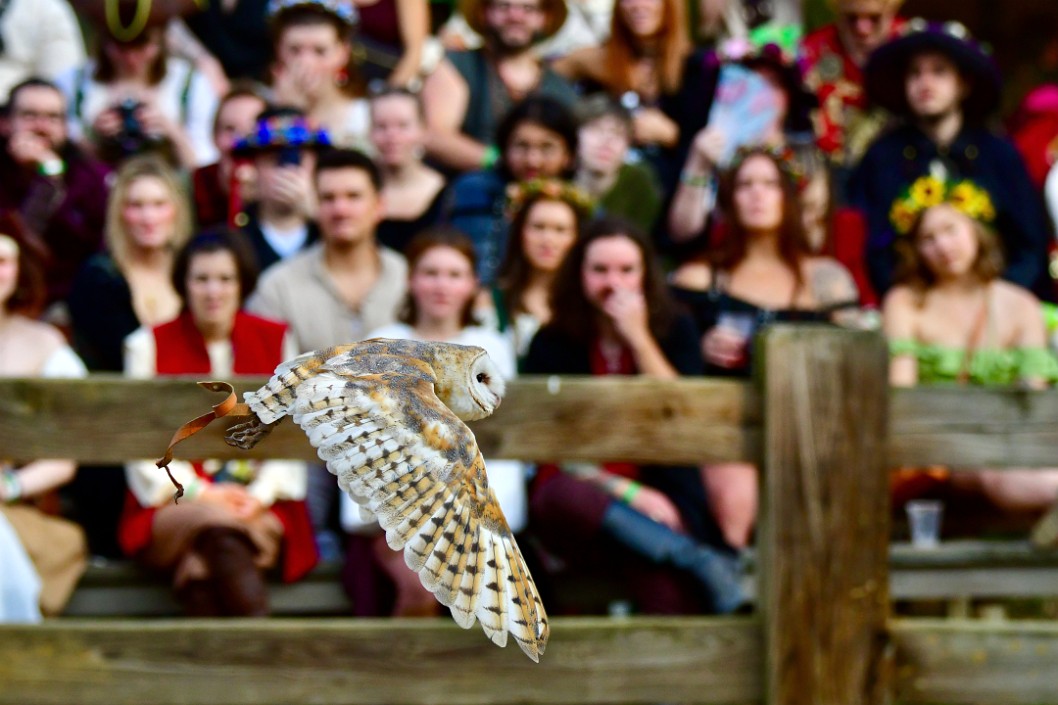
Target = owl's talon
(247,435)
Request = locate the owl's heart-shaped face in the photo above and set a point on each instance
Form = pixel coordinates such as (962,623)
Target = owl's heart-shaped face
(486,386)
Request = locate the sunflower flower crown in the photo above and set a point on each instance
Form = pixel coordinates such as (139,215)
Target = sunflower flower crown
(520,193)
(928,191)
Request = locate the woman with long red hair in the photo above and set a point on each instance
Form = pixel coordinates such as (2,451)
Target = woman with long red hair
(640,64)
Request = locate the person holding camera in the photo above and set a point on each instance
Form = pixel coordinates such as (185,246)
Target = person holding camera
(134,98)
(282,149)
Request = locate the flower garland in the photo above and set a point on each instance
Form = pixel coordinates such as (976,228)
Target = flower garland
(928,191)
(520,193)
(283,131)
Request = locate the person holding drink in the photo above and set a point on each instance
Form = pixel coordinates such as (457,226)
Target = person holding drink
(761,271)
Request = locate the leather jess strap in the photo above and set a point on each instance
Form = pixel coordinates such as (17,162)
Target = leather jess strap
(229,407)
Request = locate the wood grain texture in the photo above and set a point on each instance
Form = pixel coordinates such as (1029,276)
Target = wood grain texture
(111,419)
(369,662)
(957,662)
(824,520)
(973,427)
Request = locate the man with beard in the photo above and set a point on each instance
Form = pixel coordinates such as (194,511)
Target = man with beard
(60,192)
(950,86)
(470,91)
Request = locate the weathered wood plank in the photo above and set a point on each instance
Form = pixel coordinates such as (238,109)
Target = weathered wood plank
(956,662)
(111,419)
(973,427)
(824,530)
(376,662)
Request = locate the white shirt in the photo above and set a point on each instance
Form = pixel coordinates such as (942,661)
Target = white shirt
(507,478)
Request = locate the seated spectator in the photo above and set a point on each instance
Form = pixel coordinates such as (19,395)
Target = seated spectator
(337,291)
(587,24)
(469,93)
(59,190)
(411,191)
(116,292)
(211,184)
(622,187)
(951,320)
(236,519)
(439,307)
(538,140)
(547,217)
(129,285)
(761,271)
(42,556)
(282,147)
(40,38)
(640,65)
(833,58)
(709,147)
(612,315)
(949,88)
(313,68)
(133,97)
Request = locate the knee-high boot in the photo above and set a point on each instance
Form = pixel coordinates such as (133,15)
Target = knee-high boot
(240,586)
(718,572)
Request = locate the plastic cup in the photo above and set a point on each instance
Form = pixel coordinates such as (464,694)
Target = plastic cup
(924,516)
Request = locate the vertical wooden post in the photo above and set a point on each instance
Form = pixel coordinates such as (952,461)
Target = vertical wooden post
(824,520)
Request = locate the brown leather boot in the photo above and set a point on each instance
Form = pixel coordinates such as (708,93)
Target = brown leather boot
(239,584)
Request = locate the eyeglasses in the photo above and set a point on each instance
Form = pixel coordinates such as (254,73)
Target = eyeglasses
(38,116)
(507,7)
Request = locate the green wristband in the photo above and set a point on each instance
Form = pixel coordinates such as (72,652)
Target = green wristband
(491,156)
(630,491)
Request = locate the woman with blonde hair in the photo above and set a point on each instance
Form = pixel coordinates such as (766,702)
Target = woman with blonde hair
(128,286)
(117,291)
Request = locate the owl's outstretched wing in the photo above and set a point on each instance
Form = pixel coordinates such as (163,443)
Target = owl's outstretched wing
(403,456)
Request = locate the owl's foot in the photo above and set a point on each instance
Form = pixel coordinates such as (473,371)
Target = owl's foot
(247,435)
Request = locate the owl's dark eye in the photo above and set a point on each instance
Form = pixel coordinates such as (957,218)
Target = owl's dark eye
(482,377)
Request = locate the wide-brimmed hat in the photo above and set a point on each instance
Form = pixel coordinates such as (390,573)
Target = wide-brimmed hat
(277,132)
(886,70)
(473,12)
(126,20)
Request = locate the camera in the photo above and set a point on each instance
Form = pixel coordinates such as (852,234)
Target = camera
(130,138)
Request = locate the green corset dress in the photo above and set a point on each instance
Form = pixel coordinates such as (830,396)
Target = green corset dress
(939,365)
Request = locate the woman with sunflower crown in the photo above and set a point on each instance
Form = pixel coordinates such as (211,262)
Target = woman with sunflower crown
(952,320)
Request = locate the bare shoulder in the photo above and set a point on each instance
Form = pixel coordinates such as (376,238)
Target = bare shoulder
(1011,297)
(900,298)
(900,310)
(581,63)
(696,276)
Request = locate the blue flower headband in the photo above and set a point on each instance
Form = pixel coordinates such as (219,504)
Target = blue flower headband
(282,131)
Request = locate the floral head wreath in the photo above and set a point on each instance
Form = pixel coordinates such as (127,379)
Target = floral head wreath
(345,11)
(785,157)
(282,131)
(928,191)
(521,193)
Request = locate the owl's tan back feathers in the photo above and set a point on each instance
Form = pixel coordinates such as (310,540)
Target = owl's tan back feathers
(374,413)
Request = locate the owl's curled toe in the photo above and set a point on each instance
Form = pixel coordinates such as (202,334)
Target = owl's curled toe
(247,435)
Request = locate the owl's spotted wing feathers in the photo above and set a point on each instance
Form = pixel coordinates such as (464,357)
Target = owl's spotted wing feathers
(405,457)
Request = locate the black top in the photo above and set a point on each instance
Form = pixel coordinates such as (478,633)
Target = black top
(101,314)
(554,352)
(396,234)
(709,306)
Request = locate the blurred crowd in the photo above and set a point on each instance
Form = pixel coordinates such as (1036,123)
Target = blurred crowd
(589,187)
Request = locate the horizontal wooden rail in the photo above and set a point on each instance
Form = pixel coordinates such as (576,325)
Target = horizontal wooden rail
(376,662)
(589,660)
(106,419)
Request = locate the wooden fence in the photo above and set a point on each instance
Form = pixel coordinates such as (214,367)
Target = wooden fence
(820,420)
